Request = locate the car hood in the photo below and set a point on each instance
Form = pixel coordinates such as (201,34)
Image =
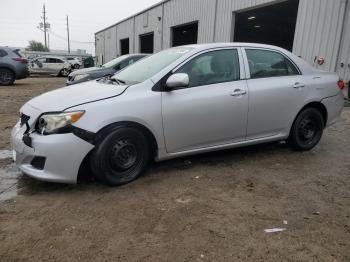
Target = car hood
(91,70)
(70,96)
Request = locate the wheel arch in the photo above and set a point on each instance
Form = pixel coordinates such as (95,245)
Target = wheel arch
(111,127)
(319,106)
(4,66)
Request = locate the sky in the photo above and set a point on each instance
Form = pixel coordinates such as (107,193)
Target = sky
(19,20)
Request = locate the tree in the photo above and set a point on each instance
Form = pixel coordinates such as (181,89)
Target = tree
(36,46)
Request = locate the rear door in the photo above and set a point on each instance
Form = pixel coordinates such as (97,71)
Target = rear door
(213,109)
(276,92)
(38,65)
(55,65)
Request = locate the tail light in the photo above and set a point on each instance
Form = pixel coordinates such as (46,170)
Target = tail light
(21,60)
(341,84)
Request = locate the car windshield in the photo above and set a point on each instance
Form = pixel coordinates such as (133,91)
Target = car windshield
(148,67)
(115,61)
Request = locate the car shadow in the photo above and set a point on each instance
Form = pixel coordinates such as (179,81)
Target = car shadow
(28,186)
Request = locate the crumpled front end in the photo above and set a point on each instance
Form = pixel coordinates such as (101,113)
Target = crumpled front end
(52,158)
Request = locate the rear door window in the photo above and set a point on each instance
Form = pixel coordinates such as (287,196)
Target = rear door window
(265,63)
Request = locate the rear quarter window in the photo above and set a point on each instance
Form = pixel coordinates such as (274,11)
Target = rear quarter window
(18,53)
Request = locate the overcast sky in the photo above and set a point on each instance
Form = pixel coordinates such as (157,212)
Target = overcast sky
(19,20)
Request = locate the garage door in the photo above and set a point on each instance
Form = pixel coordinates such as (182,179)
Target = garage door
(272,24)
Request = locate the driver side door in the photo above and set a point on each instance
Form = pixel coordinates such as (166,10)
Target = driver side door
(212,110)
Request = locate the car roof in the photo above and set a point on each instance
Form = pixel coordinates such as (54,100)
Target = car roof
(56,57)
(137,54)
(232,44)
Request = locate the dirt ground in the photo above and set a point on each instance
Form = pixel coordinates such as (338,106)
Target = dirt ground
(213,207)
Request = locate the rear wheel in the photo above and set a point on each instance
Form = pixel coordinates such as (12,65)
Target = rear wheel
(7,77)
(121,156)
(76,66)
(307,130)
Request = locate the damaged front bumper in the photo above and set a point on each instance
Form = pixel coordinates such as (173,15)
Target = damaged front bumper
(52,158)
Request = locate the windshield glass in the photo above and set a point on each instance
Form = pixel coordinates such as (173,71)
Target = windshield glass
(115,61)
(148,67)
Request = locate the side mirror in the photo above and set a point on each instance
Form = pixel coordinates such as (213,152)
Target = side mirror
(179,80)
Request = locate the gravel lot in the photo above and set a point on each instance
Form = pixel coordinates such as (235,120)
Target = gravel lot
(213,207)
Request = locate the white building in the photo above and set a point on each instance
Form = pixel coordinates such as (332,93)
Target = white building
(312,29)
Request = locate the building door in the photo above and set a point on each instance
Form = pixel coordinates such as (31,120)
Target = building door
(147,43)
(273,24)
(343,66)
(185,34)
(124,46)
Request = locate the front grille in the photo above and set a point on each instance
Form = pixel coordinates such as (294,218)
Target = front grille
(24,119)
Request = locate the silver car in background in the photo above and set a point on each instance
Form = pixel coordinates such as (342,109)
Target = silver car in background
(13,66)
(50,65)
(178,102)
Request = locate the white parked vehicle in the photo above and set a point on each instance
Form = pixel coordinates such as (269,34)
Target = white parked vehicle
(178,102)
(50,65)
(75,62)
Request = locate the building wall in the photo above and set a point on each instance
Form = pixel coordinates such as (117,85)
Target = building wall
(344,52)
(126,30)
(319,29)
(99,47)
(178,12)
(110,37)
(148,22)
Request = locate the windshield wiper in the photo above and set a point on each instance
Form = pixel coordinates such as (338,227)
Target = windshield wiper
(118,80)
(108,78)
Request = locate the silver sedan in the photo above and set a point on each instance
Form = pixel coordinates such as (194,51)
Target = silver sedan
(181,101)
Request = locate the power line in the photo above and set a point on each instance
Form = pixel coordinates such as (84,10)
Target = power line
(65,39)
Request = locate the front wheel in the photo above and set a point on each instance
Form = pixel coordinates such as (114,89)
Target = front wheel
(76,66)
(121,156)
(307,130)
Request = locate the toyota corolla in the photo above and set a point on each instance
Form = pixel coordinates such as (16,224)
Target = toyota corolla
(178,102)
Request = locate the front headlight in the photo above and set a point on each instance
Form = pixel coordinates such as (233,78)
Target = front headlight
(79,77)
(51,123)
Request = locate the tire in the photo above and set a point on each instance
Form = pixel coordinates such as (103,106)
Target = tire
(76,66)
(307,130)
(64,72)
(121,156)
(7,77)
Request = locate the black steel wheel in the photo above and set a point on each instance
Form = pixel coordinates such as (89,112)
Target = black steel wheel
(307,130)
(121,156)
(7,77)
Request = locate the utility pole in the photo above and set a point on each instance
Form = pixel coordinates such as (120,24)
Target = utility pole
(48,39)
(68,35)
(44,17)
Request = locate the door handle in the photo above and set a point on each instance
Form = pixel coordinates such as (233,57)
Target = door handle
(239,92)
(298,85)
